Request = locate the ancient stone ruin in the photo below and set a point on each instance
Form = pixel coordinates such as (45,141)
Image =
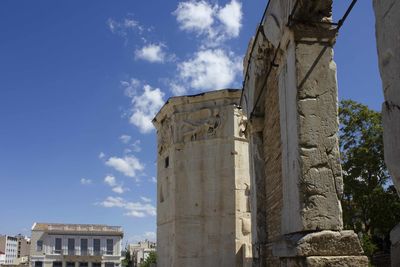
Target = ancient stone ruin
(387,15)
(203,208)
(290,100)
(271,152)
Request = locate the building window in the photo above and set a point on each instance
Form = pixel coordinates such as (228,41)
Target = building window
(57,264)
(38,263)
(166,162)
(84,247)
(39,246)
(83,264)
(96,247)
(161,193)
(109,264)
(70,264)
(71,246)
(110,246)
(58,245)
(96,264)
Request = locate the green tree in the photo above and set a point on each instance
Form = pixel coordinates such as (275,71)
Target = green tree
(127,261)
(152,258)
(371,206)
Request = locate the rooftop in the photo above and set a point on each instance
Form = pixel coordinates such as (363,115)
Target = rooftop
(192,99)
(78,228)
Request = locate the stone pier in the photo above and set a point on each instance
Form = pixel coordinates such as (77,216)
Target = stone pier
(387,15)
(203,180)
(290,99)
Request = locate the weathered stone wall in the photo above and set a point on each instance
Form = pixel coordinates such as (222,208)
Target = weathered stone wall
(273,167)
(387,15)
(292,70)
(203,182)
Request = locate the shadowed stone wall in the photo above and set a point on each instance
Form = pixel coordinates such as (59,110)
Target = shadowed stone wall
(291,93)
(387,15)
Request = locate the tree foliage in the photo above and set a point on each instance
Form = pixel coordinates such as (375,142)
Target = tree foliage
(371,206)
(127,261)
(152,258)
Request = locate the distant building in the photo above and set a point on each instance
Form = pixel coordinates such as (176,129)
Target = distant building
(2,257)
(9,245)
(24,246)
(140,251)
(75,245)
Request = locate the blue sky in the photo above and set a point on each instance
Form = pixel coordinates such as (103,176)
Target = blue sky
(80,81)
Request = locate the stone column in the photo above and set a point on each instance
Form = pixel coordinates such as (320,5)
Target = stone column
(387,15)
(258,194)
(301,154)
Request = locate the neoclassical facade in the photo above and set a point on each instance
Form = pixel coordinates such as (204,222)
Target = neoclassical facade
(75,245)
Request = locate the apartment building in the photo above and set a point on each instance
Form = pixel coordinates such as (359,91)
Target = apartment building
(140,251)
(9,246)
(24,245)
(2,257)
(75,245)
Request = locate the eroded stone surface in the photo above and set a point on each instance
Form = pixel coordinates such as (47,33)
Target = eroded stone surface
(387,15)
(298,104)
(203,182)
(341,261)
(323,243)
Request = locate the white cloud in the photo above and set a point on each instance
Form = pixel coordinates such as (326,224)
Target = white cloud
(231,18)
(116,187)
(146,102)
(131,87)
(127,165)
(153,53)
(136,146)
(123,27)
(119,189)
(110,180)
(133,209)
(210,69)
(177,89)
(145,107)
(101,155)
(145,199)
(85,181)
(215,23)
(195,16)
(153,179)
(125,138)
(131,24)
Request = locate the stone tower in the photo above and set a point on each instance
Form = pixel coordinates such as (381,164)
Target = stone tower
(203,205)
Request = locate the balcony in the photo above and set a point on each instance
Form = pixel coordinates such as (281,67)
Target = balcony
(84,253)
(77,252)
(58,251)
(110,252)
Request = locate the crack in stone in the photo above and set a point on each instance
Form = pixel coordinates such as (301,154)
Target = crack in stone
(390,105)
(313,97)
(389,9)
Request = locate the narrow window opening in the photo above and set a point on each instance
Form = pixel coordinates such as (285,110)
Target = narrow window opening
(161,196)
(166,162)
